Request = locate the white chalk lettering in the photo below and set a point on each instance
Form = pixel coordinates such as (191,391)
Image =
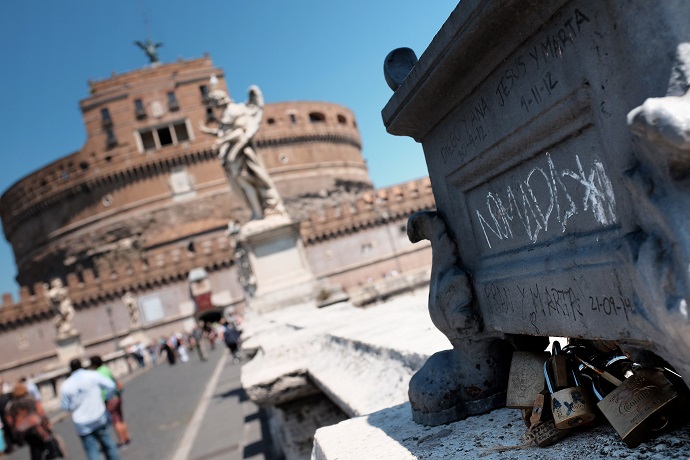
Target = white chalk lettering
(542,197)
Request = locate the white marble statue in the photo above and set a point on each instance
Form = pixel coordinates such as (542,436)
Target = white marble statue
(237,125)
(130,303)
(58,297)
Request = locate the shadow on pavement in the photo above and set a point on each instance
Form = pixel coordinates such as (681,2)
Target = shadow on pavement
(263,447)
(239,392)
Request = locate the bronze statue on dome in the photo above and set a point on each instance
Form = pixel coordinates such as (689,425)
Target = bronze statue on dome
(151,49)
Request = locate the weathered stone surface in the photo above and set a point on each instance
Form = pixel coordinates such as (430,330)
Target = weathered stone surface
(397,66)
(391,434)
(293,424)
(568,221)
(470,378)
(279,264)
(362,359)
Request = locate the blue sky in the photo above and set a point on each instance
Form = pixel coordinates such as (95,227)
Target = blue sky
(299,50)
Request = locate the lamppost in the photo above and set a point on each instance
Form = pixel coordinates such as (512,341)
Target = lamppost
(109,312)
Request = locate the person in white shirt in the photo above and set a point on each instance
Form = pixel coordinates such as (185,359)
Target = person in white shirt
(81,395)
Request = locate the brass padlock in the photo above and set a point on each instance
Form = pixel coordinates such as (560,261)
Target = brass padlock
(526,378)
(545,433)
(643,403)
(570,406)
(542,430)
(559,367)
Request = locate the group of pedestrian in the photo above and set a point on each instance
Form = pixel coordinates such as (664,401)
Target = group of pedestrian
(174,348)
(177,346)
(23,421)
(94,398)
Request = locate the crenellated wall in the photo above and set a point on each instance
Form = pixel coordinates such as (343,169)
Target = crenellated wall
(145,200)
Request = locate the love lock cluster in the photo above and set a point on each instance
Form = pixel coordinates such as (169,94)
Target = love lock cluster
(556,393)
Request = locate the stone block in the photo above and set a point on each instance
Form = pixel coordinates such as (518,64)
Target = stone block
(556,136)
(390,434)
(7,299)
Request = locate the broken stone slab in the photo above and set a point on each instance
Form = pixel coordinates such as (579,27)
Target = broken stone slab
(391,434)
(362,359)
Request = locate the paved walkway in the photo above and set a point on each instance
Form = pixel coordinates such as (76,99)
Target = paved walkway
(191,411)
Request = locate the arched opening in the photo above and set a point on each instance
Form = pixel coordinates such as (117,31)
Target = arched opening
(317,117)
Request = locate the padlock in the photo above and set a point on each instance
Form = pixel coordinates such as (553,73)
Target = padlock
(526,378)
(570,406)
(545,433)
(559,367)
(542,429)
(643,403)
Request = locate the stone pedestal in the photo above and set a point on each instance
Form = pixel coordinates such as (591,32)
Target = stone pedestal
(278,262)
(68,348)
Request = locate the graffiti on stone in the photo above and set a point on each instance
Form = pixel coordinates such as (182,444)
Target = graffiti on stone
(547,196)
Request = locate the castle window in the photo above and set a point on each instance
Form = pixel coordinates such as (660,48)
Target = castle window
(111,140)
(173,105)
(317,117)
(209,114)
(163,136)
(293,118)
(105,118)
(139,109)
(181,132)
(341,119)
(204,93)
(271,121)
(147,140)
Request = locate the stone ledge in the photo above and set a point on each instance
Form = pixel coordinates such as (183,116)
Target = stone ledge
(362,359)
(391,434)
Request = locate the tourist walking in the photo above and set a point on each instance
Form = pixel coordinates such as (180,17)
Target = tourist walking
(5,398)
(169,351)
(81,395)
(198,336)
(30,424)
(2,441)
(231,337)
(181,349)
(113,402)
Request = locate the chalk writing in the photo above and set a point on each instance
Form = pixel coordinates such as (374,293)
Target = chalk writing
(522,209)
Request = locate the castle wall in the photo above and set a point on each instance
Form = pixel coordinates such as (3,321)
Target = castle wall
(132,211)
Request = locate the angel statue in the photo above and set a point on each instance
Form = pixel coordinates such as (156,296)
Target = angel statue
(58,297)
(151,49)
(237,125)
(130,303)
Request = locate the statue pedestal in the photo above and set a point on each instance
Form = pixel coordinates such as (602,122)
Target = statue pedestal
(68,348)
(279,263)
